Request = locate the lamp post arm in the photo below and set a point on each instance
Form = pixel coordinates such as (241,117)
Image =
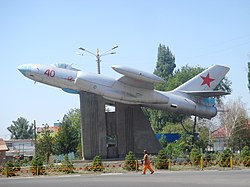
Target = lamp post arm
(87,51)
(104,54)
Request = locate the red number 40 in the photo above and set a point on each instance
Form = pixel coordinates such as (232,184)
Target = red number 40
(50,73)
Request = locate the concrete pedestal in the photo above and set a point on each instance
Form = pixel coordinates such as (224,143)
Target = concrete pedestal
(93,125)
(114,134)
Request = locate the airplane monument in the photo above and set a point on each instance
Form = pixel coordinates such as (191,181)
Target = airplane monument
(112,135)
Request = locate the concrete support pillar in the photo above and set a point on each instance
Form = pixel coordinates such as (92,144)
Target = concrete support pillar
(134,131)
(113,135)
(93,128)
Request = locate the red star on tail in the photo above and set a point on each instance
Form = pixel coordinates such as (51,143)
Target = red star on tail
(207,80)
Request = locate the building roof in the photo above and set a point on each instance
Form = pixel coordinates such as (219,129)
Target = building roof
(219,133)
(53,129)
(19,141)
(3,146)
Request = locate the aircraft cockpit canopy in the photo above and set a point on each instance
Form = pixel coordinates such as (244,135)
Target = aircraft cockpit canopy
(64,66)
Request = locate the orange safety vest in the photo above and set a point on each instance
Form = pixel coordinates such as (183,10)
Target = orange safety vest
(146,159)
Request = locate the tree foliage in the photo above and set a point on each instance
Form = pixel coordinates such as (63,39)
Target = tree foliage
(165,64)
(44,144)
(225,158)
(249,75)
(179,148)
(244,153)
(68,136)
(181,76)
(20,129)
(241,134)
(159,119)
(195,156)
(235,122)
(37,167)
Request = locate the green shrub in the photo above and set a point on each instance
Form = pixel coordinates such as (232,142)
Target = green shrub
(161,160)
(11,168)
(17,165)
(97,164)
(246,161)
(225,158)
(37,167)
(195,156)
(244,153)
(24,162)
(67,166)
(130,162)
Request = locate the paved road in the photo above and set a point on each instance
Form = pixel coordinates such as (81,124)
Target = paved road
(233,178)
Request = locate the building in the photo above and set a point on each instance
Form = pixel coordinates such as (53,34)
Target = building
(219,139)
(3,149)
(48,128)
(53,129)
(18,147)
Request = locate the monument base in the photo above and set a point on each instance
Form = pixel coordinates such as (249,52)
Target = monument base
(114,134)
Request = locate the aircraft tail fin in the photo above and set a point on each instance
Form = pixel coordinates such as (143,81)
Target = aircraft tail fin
(206,80)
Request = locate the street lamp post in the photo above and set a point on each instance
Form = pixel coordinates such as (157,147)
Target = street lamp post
(98,55)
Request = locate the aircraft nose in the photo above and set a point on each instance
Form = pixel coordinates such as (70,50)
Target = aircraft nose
(23,69)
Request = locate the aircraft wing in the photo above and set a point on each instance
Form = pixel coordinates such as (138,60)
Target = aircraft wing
(210,93)
(137,78)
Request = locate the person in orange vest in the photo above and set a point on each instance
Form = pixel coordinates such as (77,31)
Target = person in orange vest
(146,163)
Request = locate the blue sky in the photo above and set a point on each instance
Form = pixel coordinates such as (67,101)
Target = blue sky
(50,31)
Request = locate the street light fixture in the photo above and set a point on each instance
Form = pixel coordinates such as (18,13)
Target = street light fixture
(98,55)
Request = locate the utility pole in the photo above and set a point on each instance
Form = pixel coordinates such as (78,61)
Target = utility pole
(34,125)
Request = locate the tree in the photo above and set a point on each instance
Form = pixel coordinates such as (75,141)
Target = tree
(67,138)
(182,75)
(159,119)
(179,148)
(234,120)
(249,75)
(44,144)
(165,64)
(74,117)
(20,129)
(241,134)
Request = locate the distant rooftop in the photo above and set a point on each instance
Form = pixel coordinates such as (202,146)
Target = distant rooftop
(3,146)
(219,133)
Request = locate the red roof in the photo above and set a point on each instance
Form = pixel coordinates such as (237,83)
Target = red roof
(219,133)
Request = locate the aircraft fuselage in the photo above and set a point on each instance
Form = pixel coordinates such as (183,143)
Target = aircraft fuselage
(75,81)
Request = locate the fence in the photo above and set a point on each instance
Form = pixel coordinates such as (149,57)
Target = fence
(171,165)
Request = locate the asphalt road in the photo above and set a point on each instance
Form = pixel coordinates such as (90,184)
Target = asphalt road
(240,178)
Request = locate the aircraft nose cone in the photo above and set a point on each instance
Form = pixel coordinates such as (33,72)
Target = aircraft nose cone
(22,69)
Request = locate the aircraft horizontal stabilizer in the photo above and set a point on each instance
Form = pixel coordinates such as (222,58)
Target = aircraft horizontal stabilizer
(206,93)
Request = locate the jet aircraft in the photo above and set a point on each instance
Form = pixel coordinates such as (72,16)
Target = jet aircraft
(195,97)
